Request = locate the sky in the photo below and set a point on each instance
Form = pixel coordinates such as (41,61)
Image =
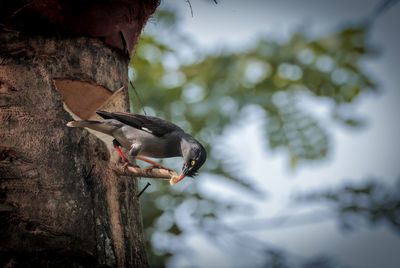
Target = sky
(356,155)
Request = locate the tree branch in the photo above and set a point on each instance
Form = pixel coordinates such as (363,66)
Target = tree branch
(154,173)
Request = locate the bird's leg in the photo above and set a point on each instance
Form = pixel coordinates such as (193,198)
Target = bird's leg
(155,164)
(116,146)
(134,151)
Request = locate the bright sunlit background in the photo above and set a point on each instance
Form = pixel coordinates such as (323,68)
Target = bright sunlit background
(271,224)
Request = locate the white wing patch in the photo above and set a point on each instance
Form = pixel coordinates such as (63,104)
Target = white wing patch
(147,130)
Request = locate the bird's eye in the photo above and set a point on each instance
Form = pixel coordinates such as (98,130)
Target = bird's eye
(193,162)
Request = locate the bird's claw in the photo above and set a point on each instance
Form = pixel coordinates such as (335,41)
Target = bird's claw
(150,168)
(125,166)
(159,167)
(170,170)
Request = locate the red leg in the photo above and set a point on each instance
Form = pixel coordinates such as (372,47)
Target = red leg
(125,165)
(155,164)
(121,154)
(123,157)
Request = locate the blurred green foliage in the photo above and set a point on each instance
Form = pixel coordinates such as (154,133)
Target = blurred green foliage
(204,93)
(371,202)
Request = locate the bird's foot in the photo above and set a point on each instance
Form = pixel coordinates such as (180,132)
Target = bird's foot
(159,167)
(162,167)
(125,166)
(154,163)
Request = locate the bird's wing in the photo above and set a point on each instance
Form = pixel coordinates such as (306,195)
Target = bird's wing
(150,124)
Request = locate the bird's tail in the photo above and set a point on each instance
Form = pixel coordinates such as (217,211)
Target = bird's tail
(95,125)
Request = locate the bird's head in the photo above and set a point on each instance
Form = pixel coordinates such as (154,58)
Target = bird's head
(194,156)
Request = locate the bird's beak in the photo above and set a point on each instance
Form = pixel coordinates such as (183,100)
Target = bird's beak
(180,177)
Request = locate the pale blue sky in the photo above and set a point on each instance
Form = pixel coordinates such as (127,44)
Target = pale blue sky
(356,155)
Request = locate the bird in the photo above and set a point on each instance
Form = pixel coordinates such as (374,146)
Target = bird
(149,136)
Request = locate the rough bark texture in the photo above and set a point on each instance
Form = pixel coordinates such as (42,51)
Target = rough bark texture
(55,209)
(51,211)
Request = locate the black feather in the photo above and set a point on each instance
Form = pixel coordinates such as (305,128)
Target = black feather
(154,125)
(104,114)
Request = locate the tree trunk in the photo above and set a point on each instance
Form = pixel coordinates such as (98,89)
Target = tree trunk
(54,211)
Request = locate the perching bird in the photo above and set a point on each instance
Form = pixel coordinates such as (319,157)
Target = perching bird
(149,136)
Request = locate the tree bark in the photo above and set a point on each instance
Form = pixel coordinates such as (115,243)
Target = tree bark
(154,173)
(54,209)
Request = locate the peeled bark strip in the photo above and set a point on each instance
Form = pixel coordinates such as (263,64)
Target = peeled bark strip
(52,211)
(155,173)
